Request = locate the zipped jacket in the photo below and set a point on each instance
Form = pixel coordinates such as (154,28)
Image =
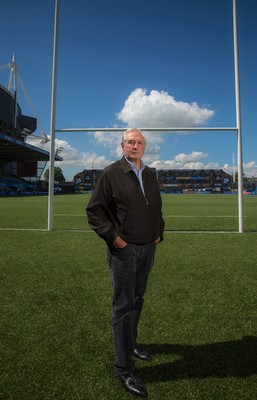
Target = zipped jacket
(118,205)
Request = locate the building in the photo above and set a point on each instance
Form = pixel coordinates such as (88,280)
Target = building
(21,164)
(87,178)
(172,180)
(194,179)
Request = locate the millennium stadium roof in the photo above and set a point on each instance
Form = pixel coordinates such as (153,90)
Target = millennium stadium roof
(12,149)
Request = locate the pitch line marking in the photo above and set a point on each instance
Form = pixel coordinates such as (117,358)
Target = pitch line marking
(69,215)
(92,232)
(165,216)
(202,216)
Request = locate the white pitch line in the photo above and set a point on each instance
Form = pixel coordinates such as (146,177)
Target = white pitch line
(24,229)
(201,216)
(165,216)
(92,232)
(201,232)
(69,215)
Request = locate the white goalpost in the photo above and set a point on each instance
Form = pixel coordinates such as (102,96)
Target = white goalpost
(237,129)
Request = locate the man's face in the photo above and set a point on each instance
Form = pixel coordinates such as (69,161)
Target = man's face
(134,146)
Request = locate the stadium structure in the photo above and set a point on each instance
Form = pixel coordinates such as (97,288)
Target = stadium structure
(21,164)
(173,181)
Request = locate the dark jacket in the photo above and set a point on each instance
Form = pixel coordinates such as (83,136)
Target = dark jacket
(119,207)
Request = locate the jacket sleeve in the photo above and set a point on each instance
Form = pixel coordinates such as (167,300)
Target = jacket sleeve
(97,211)
(161,220)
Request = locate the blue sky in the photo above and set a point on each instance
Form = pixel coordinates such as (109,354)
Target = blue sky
(143,63)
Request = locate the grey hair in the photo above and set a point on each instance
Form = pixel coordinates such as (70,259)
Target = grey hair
(125,134)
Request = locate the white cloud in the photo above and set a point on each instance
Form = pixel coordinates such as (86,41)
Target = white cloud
(195,155)
(110,140)
(156,109)
(159,109)
(250,169)
(249,166)
(186,161)
(80,159)
(107,139)
(73,159)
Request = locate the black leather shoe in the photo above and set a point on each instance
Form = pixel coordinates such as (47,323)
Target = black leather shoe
(133,385)
(141,354)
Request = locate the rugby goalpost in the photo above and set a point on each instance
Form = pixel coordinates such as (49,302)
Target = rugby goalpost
(236,129)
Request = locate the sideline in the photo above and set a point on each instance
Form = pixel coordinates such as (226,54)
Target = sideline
(165,216)
(91,231)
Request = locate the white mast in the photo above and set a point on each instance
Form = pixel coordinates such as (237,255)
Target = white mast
(13,85)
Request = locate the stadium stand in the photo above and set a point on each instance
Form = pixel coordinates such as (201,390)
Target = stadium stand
(173,181)
(21,164)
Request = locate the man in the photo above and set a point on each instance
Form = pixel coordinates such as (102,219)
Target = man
(125,211)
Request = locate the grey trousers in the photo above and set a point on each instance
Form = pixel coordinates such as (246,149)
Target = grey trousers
(129,270)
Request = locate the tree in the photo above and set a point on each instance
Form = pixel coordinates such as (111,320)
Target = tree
(58,175)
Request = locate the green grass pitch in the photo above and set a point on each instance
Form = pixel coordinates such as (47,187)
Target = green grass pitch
(199,320)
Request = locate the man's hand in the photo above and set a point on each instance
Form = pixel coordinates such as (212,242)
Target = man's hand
(119,243)
(158,240)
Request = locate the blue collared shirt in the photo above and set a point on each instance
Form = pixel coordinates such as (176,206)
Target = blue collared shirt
(138,172)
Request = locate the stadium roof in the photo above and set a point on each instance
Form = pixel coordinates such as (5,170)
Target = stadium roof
(12,149)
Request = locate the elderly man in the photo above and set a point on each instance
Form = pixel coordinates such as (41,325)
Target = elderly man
(125,211)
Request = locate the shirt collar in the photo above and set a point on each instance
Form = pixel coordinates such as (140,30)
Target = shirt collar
(133,165)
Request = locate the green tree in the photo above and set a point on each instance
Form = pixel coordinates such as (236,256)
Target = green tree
(58,175)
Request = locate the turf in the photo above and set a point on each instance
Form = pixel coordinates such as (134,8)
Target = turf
(199,212)
(199,320)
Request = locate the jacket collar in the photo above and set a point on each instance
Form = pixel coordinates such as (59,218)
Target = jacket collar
(125,165)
